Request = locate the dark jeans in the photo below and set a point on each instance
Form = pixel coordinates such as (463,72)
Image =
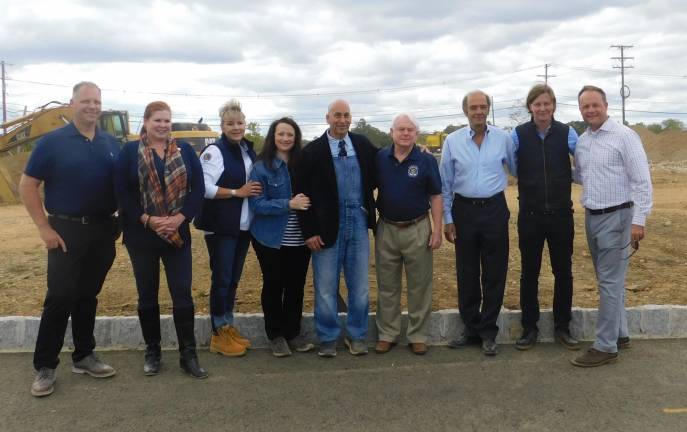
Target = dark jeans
(481,256)
(227,255)
(146,264)
(74,280)
(283,275)
(558,231)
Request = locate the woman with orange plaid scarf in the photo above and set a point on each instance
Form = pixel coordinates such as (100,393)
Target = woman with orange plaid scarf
(159,187)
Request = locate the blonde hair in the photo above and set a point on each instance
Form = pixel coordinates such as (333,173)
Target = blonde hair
(231,108)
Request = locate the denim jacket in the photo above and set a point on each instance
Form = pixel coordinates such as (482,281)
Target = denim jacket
(270,208)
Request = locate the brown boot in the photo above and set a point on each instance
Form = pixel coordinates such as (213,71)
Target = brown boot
(222,343)
(594,357)
(234,333)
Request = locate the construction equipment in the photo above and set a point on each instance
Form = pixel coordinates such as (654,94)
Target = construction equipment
(434,141)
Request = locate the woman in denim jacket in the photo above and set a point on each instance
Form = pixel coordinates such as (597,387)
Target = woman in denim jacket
(277,238)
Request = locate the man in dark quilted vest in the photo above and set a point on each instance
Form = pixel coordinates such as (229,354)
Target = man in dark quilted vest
(544,146)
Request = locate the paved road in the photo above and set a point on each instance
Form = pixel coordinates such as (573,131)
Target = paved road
(451,390)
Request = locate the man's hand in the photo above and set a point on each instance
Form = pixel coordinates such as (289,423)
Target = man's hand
(637,234)
(435,240)
(314,243)
(450,232)
(251,188)
(51,239)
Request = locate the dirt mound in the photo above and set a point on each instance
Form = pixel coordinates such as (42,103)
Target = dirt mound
(670,146)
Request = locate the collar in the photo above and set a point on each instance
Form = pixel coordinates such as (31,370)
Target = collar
(73,131)
(331,138)
(413,155)
(472,132)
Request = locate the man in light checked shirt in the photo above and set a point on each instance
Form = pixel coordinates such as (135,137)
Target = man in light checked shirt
(611,164)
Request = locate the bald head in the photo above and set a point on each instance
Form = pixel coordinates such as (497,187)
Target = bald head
(338,118)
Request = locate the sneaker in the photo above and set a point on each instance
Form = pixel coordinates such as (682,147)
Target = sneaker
(221,342)
(464,340)
(356,347)
(44,383)
(564,338)
(327,349)
(624,342)
(594,357)
(489,347)
(234,333)
(300,344)
(527,341)
(279,347)
(92,366)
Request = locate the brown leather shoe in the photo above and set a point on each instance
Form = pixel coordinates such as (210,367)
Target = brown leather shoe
(624,343)
(418,348)
(384,347)
(594,358)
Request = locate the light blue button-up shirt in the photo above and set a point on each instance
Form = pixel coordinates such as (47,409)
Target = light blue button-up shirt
(572,138)
(334,145)
(475,171)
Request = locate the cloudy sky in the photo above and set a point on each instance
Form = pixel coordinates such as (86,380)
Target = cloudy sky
(293,58)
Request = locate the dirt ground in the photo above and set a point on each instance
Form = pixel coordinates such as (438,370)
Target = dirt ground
(658,271)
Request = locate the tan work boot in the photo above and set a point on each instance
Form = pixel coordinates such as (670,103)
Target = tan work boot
(222,343)
(234,333)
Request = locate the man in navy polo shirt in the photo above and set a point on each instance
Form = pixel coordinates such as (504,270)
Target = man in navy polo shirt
(76,165)
(408,187)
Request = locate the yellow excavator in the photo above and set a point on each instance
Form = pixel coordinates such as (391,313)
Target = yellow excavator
(19,137)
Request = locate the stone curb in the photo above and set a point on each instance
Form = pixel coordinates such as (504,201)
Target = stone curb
(117,333)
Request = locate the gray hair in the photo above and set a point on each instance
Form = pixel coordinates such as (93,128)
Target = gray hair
(78,86)
(230,108)
(334,102)
(475,92)
(407,115)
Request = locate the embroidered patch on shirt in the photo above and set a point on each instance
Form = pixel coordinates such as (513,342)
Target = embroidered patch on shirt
(412,171)
(207,156)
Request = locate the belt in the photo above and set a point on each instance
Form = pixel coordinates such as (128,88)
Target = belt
(628,204)
(83,220)
(481,202)
(407,223)
(548,212)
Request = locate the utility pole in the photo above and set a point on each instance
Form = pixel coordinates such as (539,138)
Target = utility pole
(546,74)
(4,102)
(624,90)
(493,116)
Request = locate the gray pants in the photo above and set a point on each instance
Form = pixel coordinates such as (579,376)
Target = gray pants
(608,237)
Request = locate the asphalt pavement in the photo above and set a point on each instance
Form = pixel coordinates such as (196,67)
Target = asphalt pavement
(456,390)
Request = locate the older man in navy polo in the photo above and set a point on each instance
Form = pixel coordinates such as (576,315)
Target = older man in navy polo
(76,164)
(409,189)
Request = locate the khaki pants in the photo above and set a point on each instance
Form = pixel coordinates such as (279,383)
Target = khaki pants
(395,248)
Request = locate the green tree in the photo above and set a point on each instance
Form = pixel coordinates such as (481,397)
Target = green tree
(655,128)
(253,134)
(578,125)
(672,124)
(377,137)
(451,128)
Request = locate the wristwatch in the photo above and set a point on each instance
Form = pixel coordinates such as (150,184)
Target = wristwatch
(232,192)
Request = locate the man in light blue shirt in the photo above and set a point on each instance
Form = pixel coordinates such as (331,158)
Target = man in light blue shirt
(476,214)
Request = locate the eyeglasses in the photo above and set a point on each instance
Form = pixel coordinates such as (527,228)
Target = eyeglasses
(635,248)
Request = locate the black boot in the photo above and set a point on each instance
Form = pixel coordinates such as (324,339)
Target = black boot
(150,327)
(184,324)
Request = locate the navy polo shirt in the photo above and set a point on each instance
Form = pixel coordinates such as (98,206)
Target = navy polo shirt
(78,173)
(404,187)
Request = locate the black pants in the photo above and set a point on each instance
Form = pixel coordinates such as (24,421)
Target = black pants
(177,262)
(75,278)
(558,231)
(481,262)
(283,275)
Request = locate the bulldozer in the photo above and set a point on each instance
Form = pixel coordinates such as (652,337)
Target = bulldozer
(20,135)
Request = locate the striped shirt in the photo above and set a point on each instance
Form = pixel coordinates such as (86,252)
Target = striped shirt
(612,166)
(292,232)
